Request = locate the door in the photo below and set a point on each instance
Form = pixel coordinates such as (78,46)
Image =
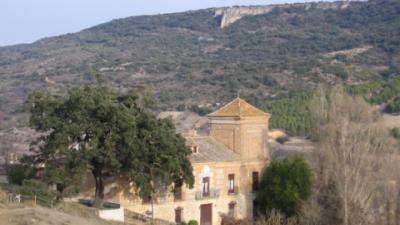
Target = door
(206,214)
(178,215)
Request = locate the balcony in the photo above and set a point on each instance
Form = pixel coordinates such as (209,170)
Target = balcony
(233,191)
(213,193)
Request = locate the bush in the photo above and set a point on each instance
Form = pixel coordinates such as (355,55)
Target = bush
(228,220)
(193,222)
(16,174)
(284,184)
(272,218)
(395,132)
(44,196)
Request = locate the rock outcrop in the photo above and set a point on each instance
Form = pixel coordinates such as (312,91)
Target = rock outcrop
(233,14)
(230,15)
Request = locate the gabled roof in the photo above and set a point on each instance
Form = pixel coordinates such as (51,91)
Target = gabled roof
(238,108)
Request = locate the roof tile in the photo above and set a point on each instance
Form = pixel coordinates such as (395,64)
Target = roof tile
(238,108)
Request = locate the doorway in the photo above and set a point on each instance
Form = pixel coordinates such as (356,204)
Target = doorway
(206,214)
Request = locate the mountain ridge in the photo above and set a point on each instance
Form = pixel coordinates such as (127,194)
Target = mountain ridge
(190,63)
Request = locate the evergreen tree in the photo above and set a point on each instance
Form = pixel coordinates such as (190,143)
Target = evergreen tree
(284,184)
(105,132)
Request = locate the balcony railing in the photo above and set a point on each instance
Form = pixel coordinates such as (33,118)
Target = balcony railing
(234,191)
(213,193)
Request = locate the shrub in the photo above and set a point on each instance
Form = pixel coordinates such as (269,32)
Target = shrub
(44,196)
(272,218)
(395,132)
(16,174)
(284,184)
(275,218)
(193,222)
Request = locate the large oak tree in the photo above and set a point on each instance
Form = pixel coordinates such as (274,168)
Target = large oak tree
(108,133)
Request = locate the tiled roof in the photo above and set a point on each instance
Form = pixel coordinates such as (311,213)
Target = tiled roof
(210,150)
(238,108)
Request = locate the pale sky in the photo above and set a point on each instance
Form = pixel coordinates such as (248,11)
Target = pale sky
(25,21)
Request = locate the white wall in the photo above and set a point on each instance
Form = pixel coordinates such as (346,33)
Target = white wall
(112,214)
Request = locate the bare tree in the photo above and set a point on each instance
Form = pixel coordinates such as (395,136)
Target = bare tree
(353,153)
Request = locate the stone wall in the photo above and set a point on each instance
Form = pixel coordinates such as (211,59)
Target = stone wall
(220,200)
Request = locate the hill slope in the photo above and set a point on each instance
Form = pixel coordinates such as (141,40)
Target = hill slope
(198,58)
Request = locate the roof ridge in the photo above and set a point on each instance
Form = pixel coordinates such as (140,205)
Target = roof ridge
(223,107)
(238,108)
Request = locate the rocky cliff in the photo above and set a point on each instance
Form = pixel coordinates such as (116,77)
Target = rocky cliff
(230,15)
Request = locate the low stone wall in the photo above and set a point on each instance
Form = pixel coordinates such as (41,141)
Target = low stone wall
(112,214)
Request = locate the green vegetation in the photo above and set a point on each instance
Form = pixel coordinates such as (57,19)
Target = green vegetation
(380,92)
(395,132)
(193,222)
(291,114)
(16,174)
(39,190)
(192,61)
(108,133)
(284,185)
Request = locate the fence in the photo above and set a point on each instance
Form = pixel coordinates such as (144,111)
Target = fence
(29,200)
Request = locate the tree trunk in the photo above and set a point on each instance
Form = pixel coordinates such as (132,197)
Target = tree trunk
(60,189)
(152,209)
(99,193)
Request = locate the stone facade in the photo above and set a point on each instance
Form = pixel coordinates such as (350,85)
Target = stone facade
(226,164)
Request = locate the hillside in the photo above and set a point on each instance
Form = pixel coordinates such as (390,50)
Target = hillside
(22,215)
(197,59)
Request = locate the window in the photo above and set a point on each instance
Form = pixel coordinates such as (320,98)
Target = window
(206,186)
(178,190)
(255,181)
(178,215)
(231,207)
(195,149)
(231,183)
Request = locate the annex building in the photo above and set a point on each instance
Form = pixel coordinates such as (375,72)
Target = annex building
(226,164)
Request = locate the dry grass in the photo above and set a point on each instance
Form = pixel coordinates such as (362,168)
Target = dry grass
(64,214)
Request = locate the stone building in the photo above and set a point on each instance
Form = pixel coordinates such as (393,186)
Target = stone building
(226,164)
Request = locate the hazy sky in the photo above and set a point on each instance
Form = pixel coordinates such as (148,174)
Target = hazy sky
(24,21)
